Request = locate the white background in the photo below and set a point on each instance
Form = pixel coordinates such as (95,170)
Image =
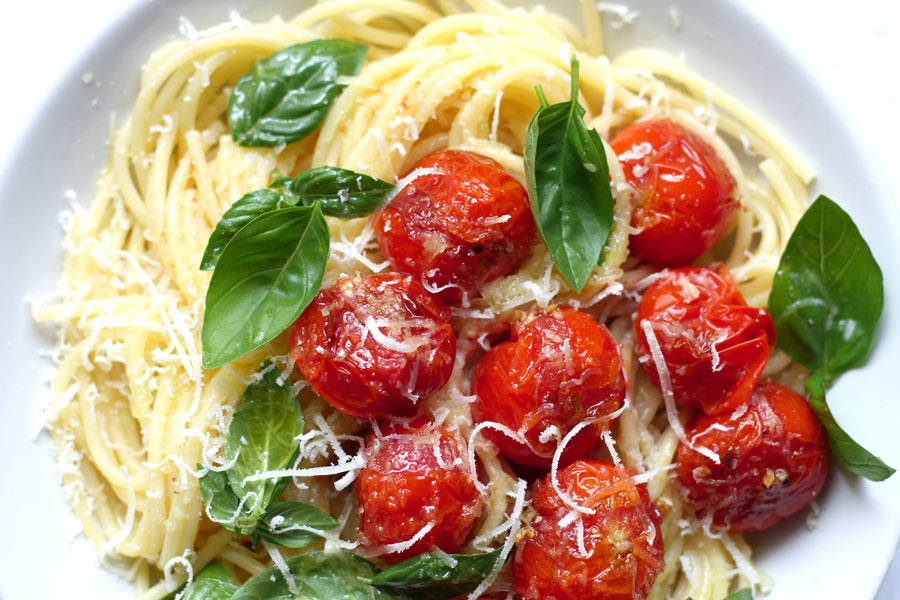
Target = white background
(854,45)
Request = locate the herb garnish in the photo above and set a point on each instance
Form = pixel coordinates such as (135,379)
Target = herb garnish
(826,299)
(568,185)
(436,575)
(285,97)
(262,437)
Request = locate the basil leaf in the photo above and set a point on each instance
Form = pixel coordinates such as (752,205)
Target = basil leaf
(267,274)
(247,208)
(262,438)
(744,594)
(568,186)
(850,454)
(317,576)
(429,576)
(220,500)
(827,293)
(277,526)
(212,583)
(341,192)
(284,98)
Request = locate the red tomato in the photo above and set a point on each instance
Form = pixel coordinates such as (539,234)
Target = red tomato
(714,345)
(773,455)
(417,475)
(686,195)
(460,229)
(374,344)
(558,368)
(622,538)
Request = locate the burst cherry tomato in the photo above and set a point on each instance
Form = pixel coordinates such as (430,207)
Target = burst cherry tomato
(622,538)
(558,368)
(773,461)
(715,347)
(686,195)
(374,344)
(460,229)
(417,475)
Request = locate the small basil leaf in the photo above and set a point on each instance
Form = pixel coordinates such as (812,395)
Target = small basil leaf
(341,192)
(269,271)
(827,293)
(284,98)
(247,208)
(568,186)
(212,583)
(283,520)
(744,594)
(317,576)
(220,500)
(850,454)
(262,438)
(429,576)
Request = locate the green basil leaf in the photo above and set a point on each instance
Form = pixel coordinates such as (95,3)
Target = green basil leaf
(220,500)
(744,594)
(267,274)
(247,208)
(341,192)
(568,186)
(827,293)
(429,576)
(262,438)
(317,576)
(212,583)
(850,454)
(285,97)
(283,520)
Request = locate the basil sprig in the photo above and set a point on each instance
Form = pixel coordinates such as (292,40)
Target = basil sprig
(269,252)
(262,437)
(430,576)
(826,299)
(285,97)
(568,185)
(317,576)
(212,583)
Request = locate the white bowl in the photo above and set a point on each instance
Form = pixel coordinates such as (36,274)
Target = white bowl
(63,147)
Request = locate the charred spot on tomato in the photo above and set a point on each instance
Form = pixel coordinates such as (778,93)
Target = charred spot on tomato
(615,553)
(777,461)
(417,479)
(686,194)
(559,368)
(714,346)
(463,222)
(375,344)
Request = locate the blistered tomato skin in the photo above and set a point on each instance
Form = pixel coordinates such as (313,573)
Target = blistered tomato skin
(686,195)
(416,475)
(774,459)
(559,367)
(715,347)
(374,344)
(622,538)
(457,230)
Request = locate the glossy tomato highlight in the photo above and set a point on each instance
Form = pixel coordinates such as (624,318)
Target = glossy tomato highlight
(622,551)
(374,344)
(559,367)
(686,195)
(773,461)
(417,475)
(715,347)
(459,229)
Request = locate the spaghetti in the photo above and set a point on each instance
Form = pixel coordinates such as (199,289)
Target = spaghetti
(135,414)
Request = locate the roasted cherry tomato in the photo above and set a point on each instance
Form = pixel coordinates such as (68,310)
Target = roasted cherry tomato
(773,459)
(686,195)
(417,476)
(374,344)
(715,347)
(559,367)
(459,229)
(622,538)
